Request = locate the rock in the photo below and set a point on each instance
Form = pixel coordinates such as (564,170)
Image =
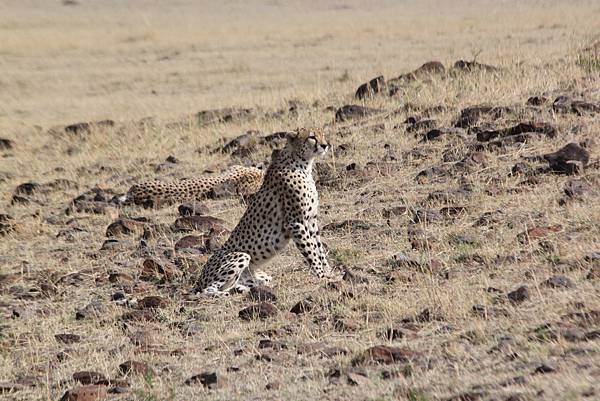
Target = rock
(210,380)
(193,208)
(86,128)
(88,392)
(28,188)
(471,115)
(544,368)
(440,133)
(6,144)
(153,302)
(10,387)
(570,159)
(559,282)
(347,225)
(420,125)
(197,242)
(262,310)
(346,325)
(320,348)
(352,111)
(304,306)
(88,377)
(564,104)
(426,216)
(274,345)
(578,189)
(262,294)
(371,88)
(594,273)
(136,368)
(519,295)
(92,310)
(471,66)
(229,114)
(537,100)
(427,70)
(123,227)
(387,354)
(153,269)
(243,145)
(200,223)
(536,233)
(67,338)
(542,128)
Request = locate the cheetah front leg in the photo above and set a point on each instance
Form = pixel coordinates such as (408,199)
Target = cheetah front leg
(222,273)
(311,249)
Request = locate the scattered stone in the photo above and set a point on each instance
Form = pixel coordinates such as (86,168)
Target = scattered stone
(243,145)
(136,368)
(86,128)
(92,310)
(123,227)
(347,225)
(426,216)
(544,368)
(471,66)
(152,302)
(427,70)
(6,144)
(10,387)
(537,233)
(193,208)
(519,295)
(28,188)
(88,377)
(350,112)
(262,310)
(197,242)
(210,380)
(471,115)
(152,269)
(90,392)
(200,223)
(559,282)
(67,338)
(440,133)
(229,114)
(570,159)
(537,100)
(304,306)
(520,129)
(262,294)
(371,88)
(386,354)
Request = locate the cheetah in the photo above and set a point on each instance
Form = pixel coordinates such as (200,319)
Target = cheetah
(285,207)
(247,181)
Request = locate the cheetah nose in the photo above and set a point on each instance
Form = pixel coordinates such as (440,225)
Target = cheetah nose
(325,146)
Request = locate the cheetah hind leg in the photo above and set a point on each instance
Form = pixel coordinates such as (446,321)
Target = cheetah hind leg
(261,277)
(230,270)
(250,279)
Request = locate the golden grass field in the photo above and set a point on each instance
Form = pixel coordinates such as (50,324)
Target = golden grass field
(441,285)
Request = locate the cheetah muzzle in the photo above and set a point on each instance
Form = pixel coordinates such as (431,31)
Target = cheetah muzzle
(285,208)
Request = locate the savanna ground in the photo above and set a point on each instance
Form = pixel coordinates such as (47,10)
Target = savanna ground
(443,285)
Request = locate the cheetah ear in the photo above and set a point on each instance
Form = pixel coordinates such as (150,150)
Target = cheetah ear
(289,135)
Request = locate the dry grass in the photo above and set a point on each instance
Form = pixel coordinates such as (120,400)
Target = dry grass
(63,64)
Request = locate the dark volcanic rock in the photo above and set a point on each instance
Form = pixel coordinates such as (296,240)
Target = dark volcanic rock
(210,380)
(559,282)
(200,223)
(570,159)
(470,66)
(86,128)
(192,209)
(228,114)
(522,128)
(471,115)
(261,310)
(386,354)
(6,144)
(352,111)
(519,295)
(369,89)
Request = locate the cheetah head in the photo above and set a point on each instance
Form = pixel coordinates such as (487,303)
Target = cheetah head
(307,143)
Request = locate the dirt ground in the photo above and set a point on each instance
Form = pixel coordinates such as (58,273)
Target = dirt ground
(462,200)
